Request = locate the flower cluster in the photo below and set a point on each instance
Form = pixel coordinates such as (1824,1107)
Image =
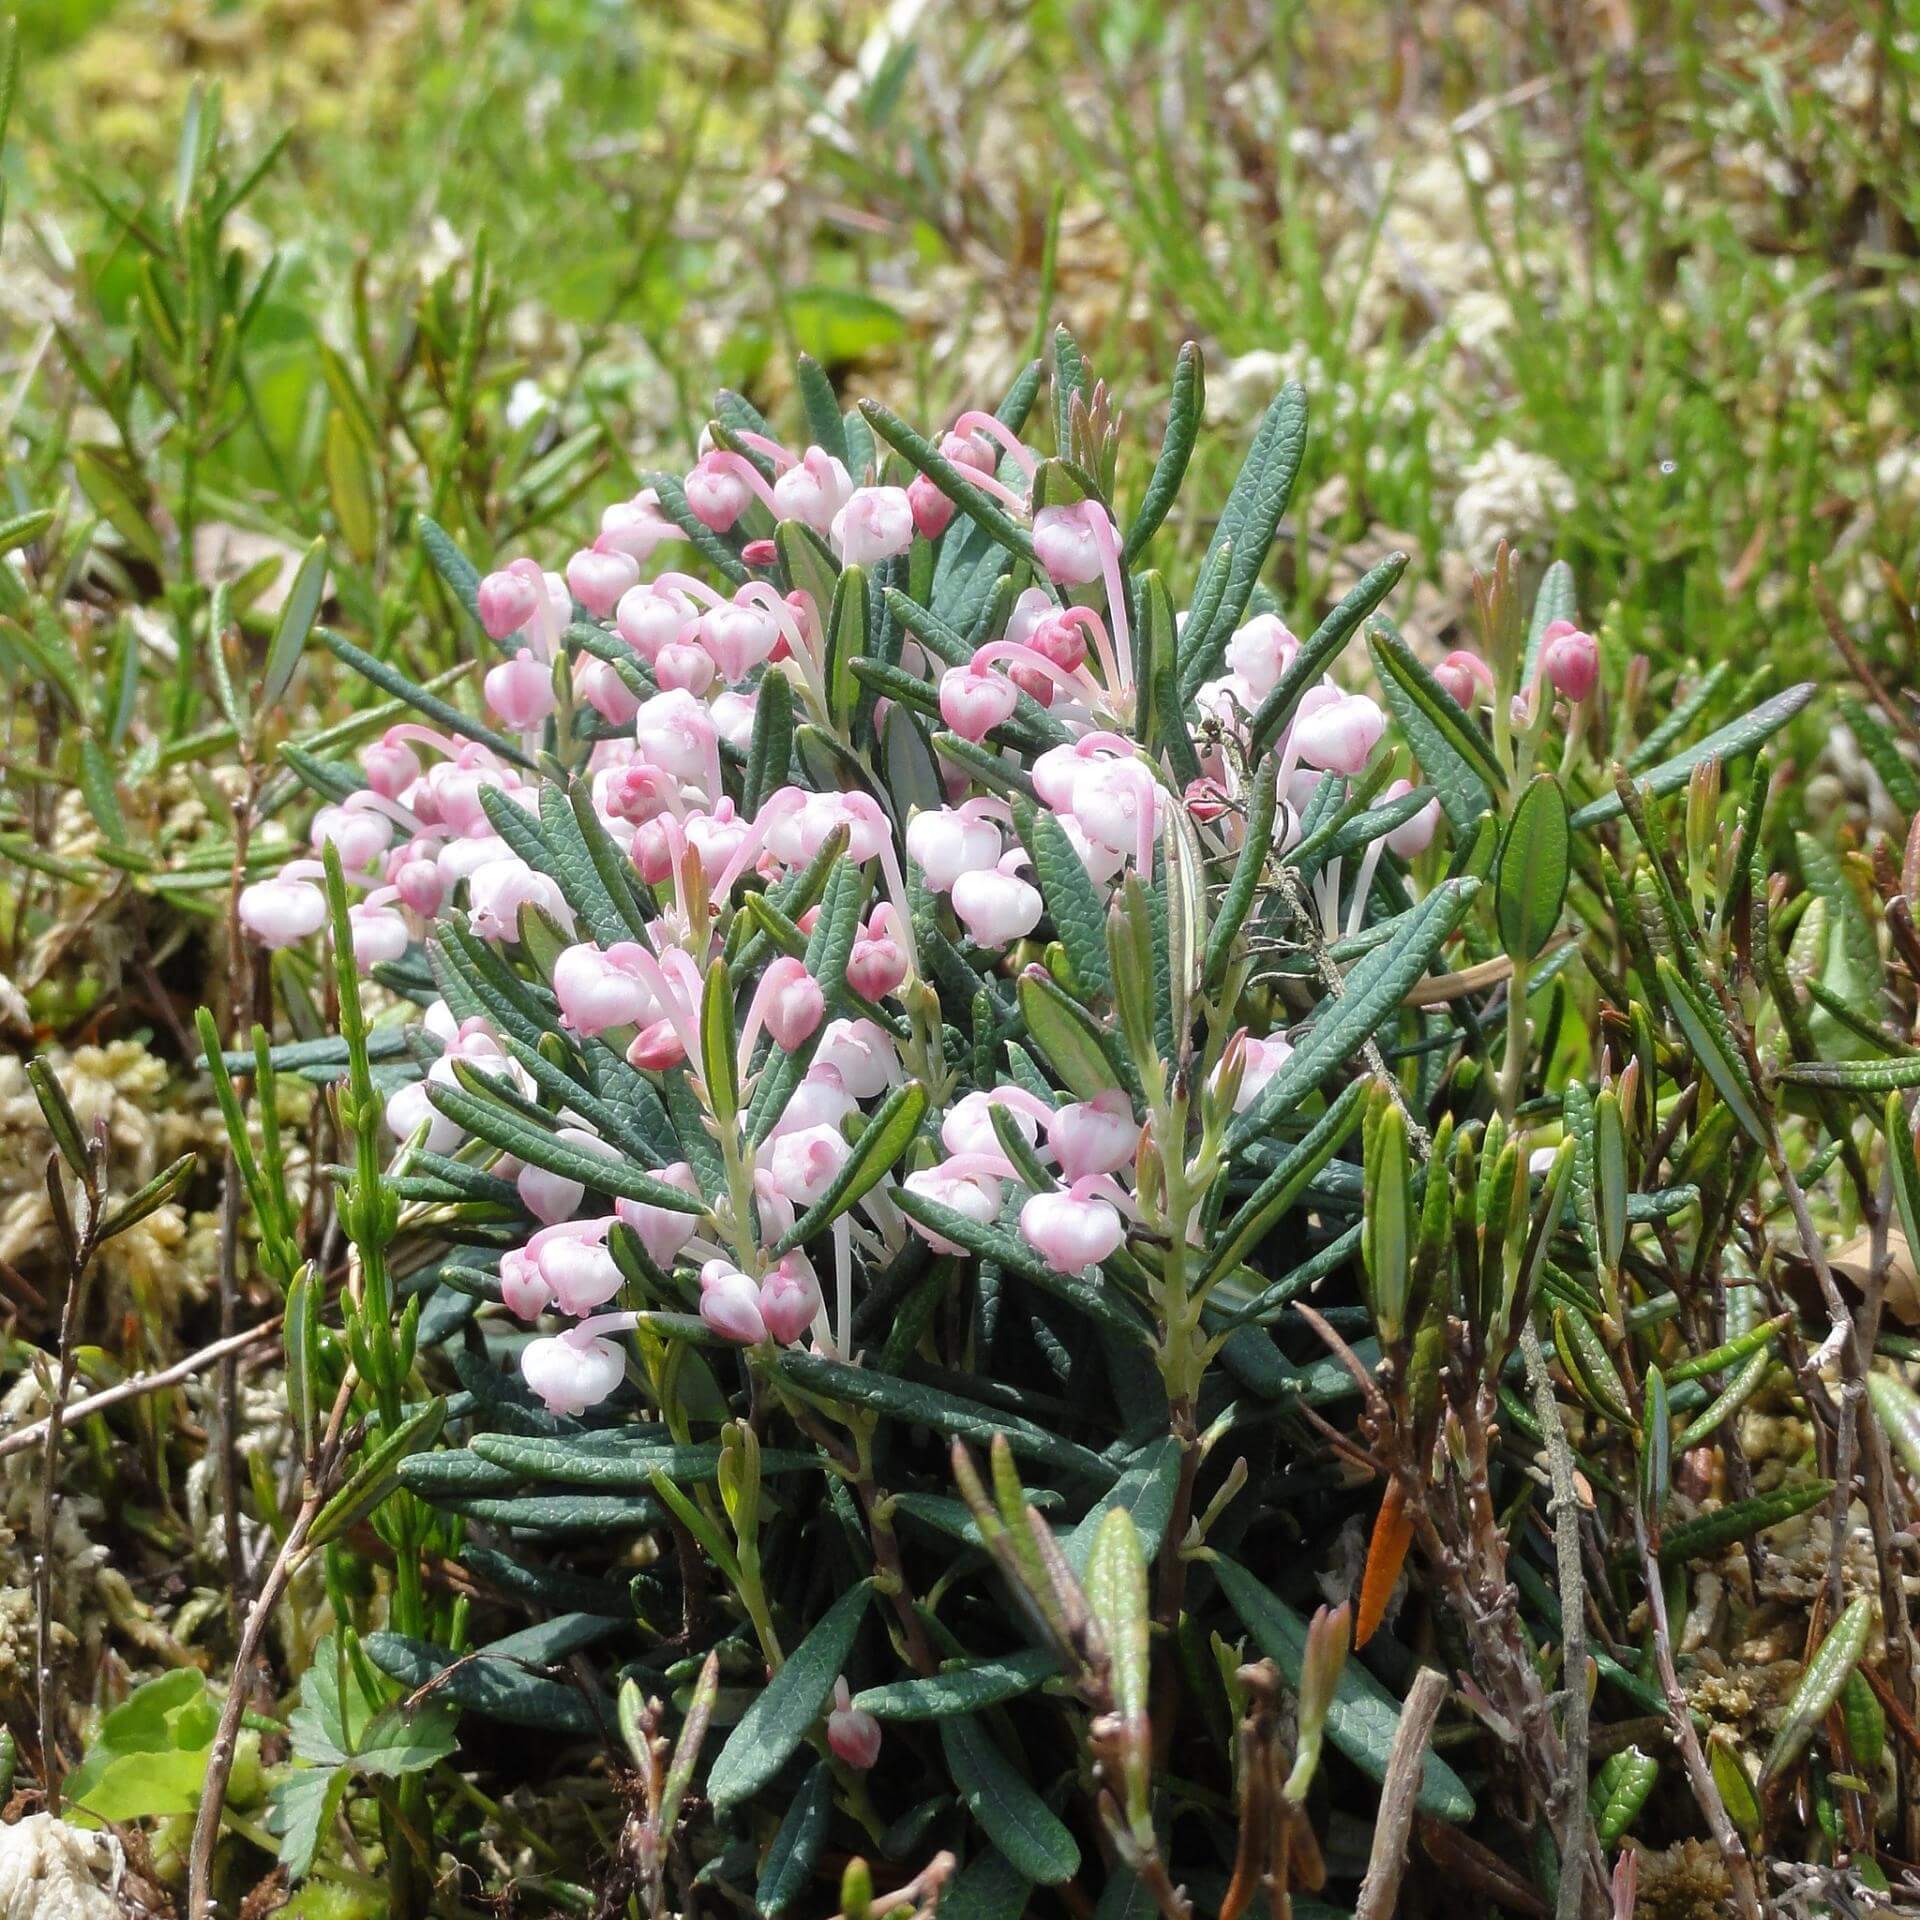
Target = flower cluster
(650,689)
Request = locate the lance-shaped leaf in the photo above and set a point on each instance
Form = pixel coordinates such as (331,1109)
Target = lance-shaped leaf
(1738,737)
(297,614)
(1705,1026)
(378,1474)
(796,1847)
(1588,1365)
(1820,1685)
(1743,1386)
(785,1711)
(1116,1585)
(885,1138)
(1237,902)
(1186,402)
(1387,1235)
(1247,525)
(1736,1786)
(57,1110)
(155,1194)
(1557,599)
(1452,751)
(499,1126)
(719,1066)
(1897,1407)
(453,566)
(1073,904)
(391,680)
(1535,861)
(1280,1191)
(967,1688)
(1740,1519)
(1345,1022)
(1067,1035)
(1852,1076)
(1025,1829)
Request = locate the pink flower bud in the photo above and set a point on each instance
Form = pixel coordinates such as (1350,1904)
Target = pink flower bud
(1061,639)
(1094,1136)
(1464,675)
(417,879)
(662,1231)
(789,1300)
(1117,802)
(968,1126)
(1412,836)
(730,1304)
(996,908)
(597,578)
(1339,736)
(522,1290)
(852,1732)
(1260,652)
(932,511)
(805,1164)
(878,963)
(874,525)
(814,491)
(649,618)
(795,1005)
(600,989)
(520,690)
(656,1048)
(508,600)
(716,493)
(391,766)
(1068,542)
(820,1100)
(945,843)
(1071,1230)
(572,1372)
(974,700)
(970,452)
(1570,659)
(281,912)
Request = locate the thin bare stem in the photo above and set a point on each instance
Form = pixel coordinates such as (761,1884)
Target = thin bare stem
(1387,1860)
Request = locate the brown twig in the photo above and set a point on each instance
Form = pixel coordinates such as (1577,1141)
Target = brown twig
(1387,1860)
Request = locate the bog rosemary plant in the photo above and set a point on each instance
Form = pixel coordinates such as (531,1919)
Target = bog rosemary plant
(919,1119)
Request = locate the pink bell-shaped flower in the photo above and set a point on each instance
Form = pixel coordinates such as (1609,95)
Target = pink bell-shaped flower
(572,1371)
(662,1230)
(975,700)
(874,525)
(508,600)
(1071,1230)
(945,842)
(996,908)
(1094,1136)
(600,988)
(520,690)
(1068,542)
(1339,736)
(598,576)
(284,910)
(793,1002)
